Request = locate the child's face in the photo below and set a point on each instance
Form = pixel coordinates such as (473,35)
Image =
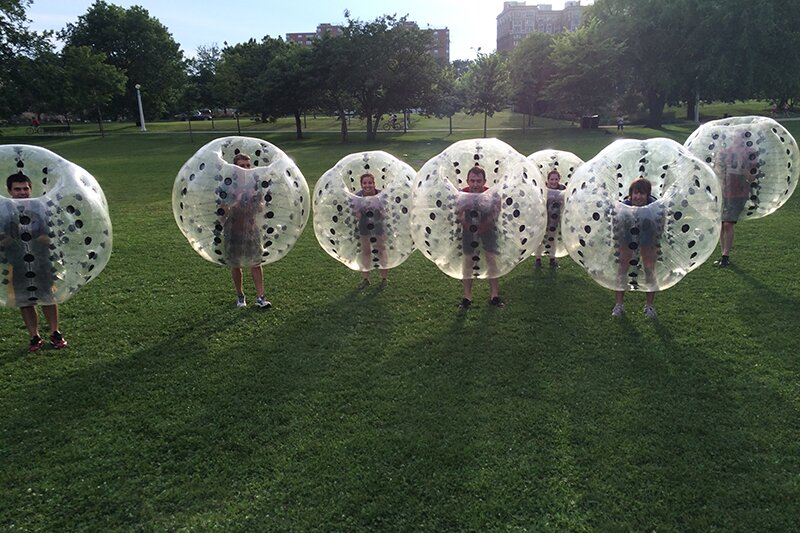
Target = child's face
(243,163)
(20,189)
(368,185)
(553,180)
(638,198)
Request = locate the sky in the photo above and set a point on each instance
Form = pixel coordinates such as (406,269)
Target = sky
(193,23)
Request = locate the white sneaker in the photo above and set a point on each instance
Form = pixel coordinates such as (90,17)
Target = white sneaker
(650,312)
(240,301)
(263,302)
(618,310)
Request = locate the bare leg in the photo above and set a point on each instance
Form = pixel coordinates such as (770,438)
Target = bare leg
(649,298)
(467,288)
(494,288)
(619,297)
(236,275)
(366,250)
(258,279)
(31,320)
(726,237)
(51,314)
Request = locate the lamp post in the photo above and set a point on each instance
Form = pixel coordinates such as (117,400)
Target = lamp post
(139,100)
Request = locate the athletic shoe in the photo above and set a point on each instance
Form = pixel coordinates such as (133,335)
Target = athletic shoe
(464,305)
(618,311)
(263,302)
(57,341)
(241,301)
(538,263)
(36,344)
(364,284)
(497,302)
(650,312)
(384,283)
(553,263)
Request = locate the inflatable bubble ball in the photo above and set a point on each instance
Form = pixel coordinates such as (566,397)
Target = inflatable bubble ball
(370,228)
(236,216)
(55,240)
(755,159)
(478,235)
(646,247)
(565,163)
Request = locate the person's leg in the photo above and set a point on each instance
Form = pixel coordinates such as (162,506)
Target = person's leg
(467,283)
(364,260)
(31,320)
(236,276)
(619,304)
(649,307)
(726,237)
(258,279)
(494,288)
(51,315)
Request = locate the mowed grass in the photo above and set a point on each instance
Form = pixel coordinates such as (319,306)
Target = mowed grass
(390,410)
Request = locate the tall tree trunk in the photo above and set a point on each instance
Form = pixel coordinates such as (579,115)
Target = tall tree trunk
(655,105)
(343,120)
(371,136)
(691,105)
(485,120)
(100,121)
(298,124)
(451,124)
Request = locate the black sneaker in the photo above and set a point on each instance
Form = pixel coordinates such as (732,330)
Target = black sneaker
(464,305)
(497,302)
(724,261)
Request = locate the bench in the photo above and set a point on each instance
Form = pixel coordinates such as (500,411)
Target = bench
(64,128)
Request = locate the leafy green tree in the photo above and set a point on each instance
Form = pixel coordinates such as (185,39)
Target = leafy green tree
(487,86)
(201,89)
(386,67)
(23,84)
(532,70)
(331,63)
(585,71)
(291,84)
(447,97)
(138,45)
(89,82)
(244,74)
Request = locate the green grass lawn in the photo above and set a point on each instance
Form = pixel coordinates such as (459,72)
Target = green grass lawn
(390,410)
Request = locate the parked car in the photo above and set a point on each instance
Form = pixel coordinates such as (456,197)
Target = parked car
(202,114)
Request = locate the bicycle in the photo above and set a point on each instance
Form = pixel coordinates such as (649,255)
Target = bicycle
(396,125)
(30,130)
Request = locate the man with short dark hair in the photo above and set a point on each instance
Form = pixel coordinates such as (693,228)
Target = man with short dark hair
(26,243)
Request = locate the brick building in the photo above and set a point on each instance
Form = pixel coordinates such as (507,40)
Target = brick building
(518,20)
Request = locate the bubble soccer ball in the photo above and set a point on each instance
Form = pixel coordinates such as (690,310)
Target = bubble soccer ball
(565,163)
(56,241)
(240,217)
(369,232)
(647,248)
(470,235)
(755,159)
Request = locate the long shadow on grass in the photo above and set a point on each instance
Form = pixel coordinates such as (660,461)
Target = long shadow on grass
(189,418)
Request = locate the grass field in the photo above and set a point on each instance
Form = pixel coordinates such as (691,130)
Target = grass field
(390,410)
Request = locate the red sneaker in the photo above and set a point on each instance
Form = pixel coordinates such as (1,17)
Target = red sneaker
(36,344)
(57,341)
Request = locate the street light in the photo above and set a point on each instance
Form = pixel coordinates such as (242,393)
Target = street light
(139,100)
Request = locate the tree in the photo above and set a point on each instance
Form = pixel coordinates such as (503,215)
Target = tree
(585,71)
(201,89)
(385,66)
(532,70)
(487,86)
(447,98)
(138,45)
(331,62)
(291,83)
(21,50)
(89,82)
(244,73)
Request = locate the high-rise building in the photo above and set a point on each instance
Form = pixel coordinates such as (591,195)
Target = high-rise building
(518,20)
(440,46)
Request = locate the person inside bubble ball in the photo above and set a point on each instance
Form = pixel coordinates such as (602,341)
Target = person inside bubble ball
(478,217)
(555,203)
(242,238)
(26,242)
(371,231)
(634,234)
(737,166)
